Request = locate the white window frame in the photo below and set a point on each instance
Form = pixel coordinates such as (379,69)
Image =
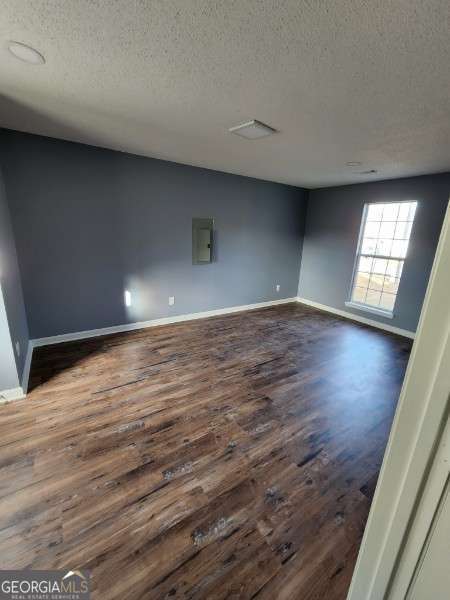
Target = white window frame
(389,314)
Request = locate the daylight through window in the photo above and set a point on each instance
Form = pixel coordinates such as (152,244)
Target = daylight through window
(383,245)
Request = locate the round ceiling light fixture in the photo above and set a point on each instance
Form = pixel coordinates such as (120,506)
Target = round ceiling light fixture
(26,53)
(353,163)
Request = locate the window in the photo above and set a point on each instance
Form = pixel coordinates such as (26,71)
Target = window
(382,248)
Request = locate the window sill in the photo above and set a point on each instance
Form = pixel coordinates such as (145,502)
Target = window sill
(375,311)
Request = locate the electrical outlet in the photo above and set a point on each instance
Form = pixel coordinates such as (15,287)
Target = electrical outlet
(18,348)
(278,287)
(171,300)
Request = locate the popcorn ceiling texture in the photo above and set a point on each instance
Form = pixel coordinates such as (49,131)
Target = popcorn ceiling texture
(341,81)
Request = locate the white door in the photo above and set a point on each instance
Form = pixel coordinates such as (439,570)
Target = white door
(433,575)
(424,567)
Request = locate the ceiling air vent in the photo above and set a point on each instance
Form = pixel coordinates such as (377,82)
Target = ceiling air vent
(252,130)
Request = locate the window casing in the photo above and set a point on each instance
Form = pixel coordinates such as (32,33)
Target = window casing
(382,249)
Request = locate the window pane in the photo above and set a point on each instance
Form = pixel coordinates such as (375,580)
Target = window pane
(359,294)
(372,229)
(384,247)
(362,279)
(373,297)
(394,268)
(375,212)
(387,230)
(407,211)
(399,248)
(403,213)
(376,282)
(387,301)
(380,266)
(390,211)
(368,246)
(391,284)
(403,230)
(365,264)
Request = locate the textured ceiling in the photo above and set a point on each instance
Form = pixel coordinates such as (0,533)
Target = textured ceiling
(342,80)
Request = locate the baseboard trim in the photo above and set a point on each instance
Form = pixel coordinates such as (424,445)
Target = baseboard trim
(353,317)
(20,392)
(80,335)
(11,394)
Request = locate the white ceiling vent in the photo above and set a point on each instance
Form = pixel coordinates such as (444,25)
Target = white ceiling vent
(252,130)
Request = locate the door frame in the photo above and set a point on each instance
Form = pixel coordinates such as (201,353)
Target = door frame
(426,523)
(412,442)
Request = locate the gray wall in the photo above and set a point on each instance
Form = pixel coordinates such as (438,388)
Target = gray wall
(13,322)
(90,223)
(331,237)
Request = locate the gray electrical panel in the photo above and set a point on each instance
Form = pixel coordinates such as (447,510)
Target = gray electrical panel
(202,241)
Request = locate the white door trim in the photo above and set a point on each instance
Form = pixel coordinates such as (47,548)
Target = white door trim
(425,520)
(415,431)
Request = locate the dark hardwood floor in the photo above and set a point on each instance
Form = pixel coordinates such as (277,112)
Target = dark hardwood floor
(233,457)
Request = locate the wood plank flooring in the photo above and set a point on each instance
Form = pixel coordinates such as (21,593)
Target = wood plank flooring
(233,457)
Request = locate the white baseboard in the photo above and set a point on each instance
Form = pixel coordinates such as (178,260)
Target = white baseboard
(80,335)
(11,394)
(27,366)
(353,317)
(20,392)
